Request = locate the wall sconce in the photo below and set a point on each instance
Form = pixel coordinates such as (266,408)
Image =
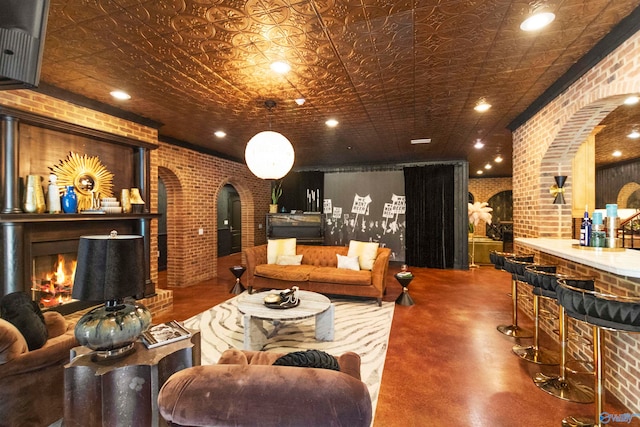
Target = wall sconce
(557,189)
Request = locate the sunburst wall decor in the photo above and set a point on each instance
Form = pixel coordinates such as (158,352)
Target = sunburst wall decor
(87,174)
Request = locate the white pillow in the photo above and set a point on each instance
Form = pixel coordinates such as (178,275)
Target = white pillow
(280,247)
(348,262)
(365,251)
(289,260)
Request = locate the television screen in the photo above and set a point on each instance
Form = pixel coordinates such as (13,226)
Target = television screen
(22,32)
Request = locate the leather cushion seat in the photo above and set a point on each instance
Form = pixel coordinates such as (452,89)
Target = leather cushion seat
(497,258)
(608,311)
(516,265)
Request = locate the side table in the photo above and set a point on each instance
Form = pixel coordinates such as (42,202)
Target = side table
(123,391)
(404,298)
(237,271)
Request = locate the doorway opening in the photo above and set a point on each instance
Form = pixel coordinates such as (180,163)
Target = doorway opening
(229,221)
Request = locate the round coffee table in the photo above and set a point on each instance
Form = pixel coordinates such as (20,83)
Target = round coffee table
(255,312)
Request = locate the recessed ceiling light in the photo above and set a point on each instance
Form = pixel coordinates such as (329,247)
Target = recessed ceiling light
(220,133)
(498,159)
(480,172)
(280,67)
(537,21)
(487,166)
(479,144)
(119,94)
(331,123)
(631,100)
(300,101)
(617,153)
(482,105)
(634,134)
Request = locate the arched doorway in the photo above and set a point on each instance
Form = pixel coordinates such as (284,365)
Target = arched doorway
(170,196)
(229,221)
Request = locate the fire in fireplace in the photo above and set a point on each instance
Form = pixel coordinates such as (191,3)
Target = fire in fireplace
(52,279)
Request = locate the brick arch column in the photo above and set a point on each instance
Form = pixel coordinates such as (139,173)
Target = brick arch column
(175,228)
(557,161)
(545,144)
(625,192)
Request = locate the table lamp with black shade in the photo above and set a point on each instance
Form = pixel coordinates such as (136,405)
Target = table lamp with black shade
(111,269)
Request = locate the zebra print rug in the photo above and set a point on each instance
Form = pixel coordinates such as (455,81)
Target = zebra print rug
(360,326)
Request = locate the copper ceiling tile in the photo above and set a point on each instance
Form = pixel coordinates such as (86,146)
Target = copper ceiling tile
(389,71)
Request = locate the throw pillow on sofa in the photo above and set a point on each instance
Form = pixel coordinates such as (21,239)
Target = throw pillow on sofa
(289,260)
(365,251)
(18,309)
(277,247)
(309,359)
(348,262)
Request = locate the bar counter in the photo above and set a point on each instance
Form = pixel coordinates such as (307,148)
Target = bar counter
(620,262)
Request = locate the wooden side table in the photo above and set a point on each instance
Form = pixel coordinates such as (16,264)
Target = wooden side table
(123,391)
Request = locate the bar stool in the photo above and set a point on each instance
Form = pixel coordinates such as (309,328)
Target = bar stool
(562,386)
(515,265)
(603,312)
(533,275)
(497,258)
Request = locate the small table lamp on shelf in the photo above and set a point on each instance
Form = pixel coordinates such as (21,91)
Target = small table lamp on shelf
(111,268)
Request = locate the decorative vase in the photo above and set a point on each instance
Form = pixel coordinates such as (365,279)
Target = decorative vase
(53,196)
(70,200)
(34,196)
(273,208)
(137,204)
(125,201)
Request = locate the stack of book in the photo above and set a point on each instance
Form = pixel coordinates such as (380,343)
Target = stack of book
(164,333)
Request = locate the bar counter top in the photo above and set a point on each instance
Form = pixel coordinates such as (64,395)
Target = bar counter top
(623,263)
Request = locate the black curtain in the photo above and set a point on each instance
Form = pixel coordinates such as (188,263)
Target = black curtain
(430,216)
(294,191)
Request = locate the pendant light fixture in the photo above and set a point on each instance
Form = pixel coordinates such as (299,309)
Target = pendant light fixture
(269,154)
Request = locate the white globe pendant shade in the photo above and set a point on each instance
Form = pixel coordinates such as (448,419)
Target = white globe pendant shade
(269,155)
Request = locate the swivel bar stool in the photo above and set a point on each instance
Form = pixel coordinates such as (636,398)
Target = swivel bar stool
(533,275)
(497,258)
(515,265)
(603,312)
(562,386)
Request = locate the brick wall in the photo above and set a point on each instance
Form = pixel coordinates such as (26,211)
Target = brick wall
(544,147)
(193,182)
(28,100)
(483,189)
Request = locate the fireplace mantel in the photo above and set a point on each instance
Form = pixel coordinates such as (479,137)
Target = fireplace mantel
(30,145)
(37,218)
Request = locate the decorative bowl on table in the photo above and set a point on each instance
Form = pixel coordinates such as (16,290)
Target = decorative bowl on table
(282,300)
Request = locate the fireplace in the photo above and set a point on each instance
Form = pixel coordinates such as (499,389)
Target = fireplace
(34,246)
(50,252)
(52,275)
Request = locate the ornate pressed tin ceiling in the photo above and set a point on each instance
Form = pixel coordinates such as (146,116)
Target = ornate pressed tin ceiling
(388,71)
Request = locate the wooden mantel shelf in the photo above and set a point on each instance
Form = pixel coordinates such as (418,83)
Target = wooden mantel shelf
(624,263)
(34,218)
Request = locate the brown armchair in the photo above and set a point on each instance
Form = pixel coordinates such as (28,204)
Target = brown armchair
(32,382)
(246,389)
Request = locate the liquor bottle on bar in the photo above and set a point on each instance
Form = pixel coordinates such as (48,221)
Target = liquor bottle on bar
(585,229)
